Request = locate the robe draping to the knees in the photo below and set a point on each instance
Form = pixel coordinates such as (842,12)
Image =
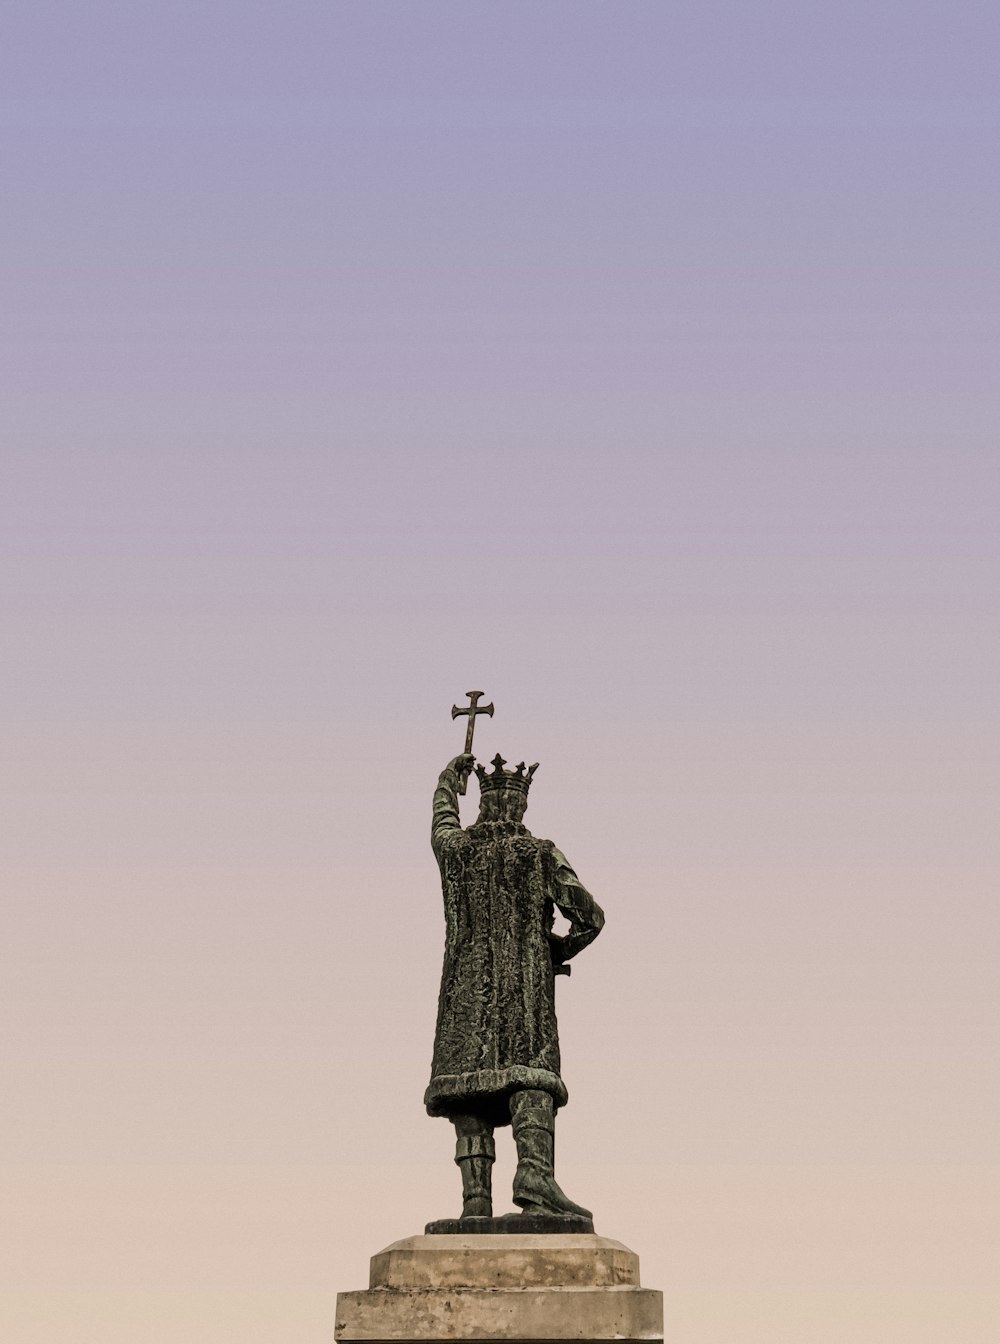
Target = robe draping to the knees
(496,1024)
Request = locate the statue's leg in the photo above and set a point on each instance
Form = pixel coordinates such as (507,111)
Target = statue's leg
(474,1153)
(532,1117)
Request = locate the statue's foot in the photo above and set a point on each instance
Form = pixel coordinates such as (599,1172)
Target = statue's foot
(477,1208)
(539,1194)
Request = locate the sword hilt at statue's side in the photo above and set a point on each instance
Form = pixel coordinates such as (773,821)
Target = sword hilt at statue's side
(472,710)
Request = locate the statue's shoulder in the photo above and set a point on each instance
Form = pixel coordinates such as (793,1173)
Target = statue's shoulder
(543,849)
(456,836)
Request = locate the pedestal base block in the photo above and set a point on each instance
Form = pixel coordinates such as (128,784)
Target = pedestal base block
(512,1286)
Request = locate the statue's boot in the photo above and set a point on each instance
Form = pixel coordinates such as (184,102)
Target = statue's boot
(475,1153)
(532,1115)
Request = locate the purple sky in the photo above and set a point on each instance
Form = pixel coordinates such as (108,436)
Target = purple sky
(637,363)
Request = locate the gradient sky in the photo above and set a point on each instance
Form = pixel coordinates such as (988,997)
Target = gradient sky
(636,363)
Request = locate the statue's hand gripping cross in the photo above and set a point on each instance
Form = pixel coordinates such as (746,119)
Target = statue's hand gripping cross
(472,710)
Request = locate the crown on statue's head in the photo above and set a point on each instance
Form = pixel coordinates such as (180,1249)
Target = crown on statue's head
(505,779)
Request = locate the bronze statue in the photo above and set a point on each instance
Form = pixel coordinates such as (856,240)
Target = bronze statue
(496,1048)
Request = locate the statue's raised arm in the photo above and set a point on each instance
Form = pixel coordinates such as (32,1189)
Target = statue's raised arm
(445,821)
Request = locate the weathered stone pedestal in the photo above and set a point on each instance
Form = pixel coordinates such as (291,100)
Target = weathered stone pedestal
(511,1287)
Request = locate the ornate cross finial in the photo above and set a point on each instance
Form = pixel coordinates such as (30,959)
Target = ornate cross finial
(473,709)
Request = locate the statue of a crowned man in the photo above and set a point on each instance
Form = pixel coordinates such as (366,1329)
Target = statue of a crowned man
(496,1050)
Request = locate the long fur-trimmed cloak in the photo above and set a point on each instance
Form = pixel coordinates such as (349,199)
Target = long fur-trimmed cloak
(496,1023)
